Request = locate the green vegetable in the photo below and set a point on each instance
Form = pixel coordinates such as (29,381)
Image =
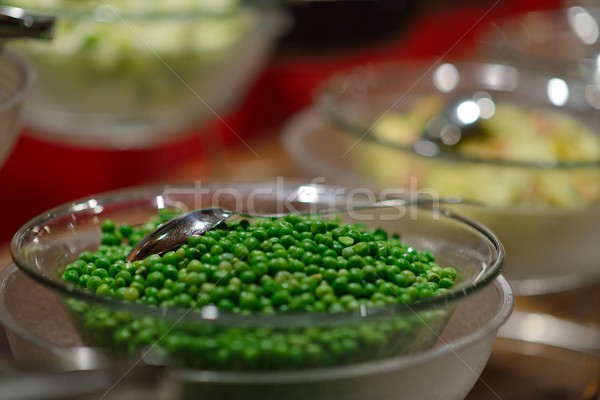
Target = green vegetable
(265,266)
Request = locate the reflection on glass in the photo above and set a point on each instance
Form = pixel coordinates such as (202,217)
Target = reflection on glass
(558,91)
(583,24)
(487,108)
(446,77)
(307,194)
(467,112)
(592,95)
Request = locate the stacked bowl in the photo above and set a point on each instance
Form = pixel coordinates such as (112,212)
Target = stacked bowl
(358,352)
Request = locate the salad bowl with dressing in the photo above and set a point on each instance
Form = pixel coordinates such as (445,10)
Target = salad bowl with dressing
(133,74)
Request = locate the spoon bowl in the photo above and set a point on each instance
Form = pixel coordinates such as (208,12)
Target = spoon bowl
(459,122)
(176,231)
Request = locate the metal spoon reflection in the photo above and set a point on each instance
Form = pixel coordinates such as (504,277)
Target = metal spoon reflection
(176,231)
(460,121)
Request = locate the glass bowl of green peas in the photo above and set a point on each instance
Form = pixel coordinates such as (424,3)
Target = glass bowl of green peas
(307,284)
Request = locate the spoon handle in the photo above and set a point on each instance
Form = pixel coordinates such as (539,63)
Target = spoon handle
(18,23)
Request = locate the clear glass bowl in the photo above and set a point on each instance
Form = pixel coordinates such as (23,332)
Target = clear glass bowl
(137,74)
(43,245)
(16,79)
(547,214)
(562,40)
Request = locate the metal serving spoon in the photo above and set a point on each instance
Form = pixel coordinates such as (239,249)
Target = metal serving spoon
(460,121)
(18,23)
(176,231)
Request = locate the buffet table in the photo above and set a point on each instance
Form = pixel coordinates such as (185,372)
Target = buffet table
(246,145)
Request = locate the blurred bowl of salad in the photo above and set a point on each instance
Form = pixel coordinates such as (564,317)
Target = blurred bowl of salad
(122,73)
(532,174)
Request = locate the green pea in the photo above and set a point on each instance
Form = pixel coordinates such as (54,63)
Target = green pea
(170,272)
(449,272)
(164,294)
(109,280)
(248,276)
(355,275)
(103,263)
(312,269)
(93,282)
(249,301)
(70,275)
(124,275)
(260,235)
(445,283)
(302,227)
(125,230)
(151,260)
(184,300)
(346,241)
(155,279)
(280,297)
(308,245)
(138,286)
(355,261)
(433,277)
(108,225)
(103,290)
(340,285)
(130,294)
(151,291)
(226,304)
(361,249)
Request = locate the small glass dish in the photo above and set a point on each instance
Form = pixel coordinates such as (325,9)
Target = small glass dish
(417,330)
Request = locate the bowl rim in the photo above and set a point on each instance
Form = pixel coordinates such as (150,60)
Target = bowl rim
(309,124)
(210,314)
(493,35)
(329,94)
(27,77)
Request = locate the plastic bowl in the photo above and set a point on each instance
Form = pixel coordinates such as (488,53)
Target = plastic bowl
(16,79)
(137,74)
(42,246)
(547,214)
